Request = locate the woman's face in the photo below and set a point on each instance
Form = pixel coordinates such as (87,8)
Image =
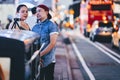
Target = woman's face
(23,12)
(41,14)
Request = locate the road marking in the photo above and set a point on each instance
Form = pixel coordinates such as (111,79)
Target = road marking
(91,76)
(111,56)
(112,52)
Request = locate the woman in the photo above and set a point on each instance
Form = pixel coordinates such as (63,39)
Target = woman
(19,23)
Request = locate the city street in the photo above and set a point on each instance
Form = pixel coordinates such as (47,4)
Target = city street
(88,61)
(88,46)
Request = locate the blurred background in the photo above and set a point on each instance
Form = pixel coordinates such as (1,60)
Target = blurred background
(60,9)
(8,7)
(81,21)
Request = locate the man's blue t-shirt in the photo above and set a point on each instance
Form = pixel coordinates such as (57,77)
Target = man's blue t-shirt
(45,29)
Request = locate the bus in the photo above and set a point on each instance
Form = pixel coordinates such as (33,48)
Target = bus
(92,10)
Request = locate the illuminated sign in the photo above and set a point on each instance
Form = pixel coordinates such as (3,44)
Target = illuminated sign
(101,2)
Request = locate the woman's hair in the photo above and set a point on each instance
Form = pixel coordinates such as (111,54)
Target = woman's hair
(19,7)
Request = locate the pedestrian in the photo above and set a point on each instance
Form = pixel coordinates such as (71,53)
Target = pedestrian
(32,20)
(48,32)
(19,21)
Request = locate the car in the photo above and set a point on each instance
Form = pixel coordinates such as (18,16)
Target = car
(116,36)
(101,30)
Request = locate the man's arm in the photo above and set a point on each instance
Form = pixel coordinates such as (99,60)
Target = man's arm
(53,39)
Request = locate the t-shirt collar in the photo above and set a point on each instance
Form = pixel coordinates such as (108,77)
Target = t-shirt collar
(44,21)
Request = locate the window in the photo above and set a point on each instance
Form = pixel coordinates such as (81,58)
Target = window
(101,7)
(102,24)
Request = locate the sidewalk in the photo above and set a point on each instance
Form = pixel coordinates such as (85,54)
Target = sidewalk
(66,67)
(62,67)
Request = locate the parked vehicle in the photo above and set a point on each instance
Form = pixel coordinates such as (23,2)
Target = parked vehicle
(91,10)
(101,30)
(116,36)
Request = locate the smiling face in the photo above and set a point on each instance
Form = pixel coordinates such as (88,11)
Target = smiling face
(23,12)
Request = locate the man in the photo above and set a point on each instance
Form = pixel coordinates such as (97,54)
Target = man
(48,32)
(32,20)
